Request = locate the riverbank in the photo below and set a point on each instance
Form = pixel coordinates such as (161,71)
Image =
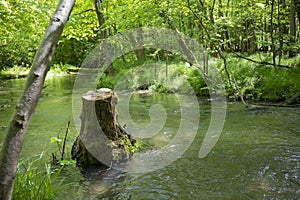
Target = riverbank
(240,78)
(22,72)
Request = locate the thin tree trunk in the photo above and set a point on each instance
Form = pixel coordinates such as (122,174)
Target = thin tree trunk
(205,63)
(211,14)
(280,32)
(100,15)
(272,33)
(221,32)
(24,110)
(297,4)
(141,49)
(191,56)
(220,12)
(137,44)
(167,59)
(292,26)
(264,37)
(191,26)
(252,39)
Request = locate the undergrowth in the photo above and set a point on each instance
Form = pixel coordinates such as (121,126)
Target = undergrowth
(261,82)
(36,180)
(254,81)
(23,71)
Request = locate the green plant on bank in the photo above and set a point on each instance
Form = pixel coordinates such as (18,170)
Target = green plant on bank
(124,148)
(62,160)
(260,82)
(255,82)
(129,147)
(14,72)
(179,78)
(22,71)
(63,68)
(36,180)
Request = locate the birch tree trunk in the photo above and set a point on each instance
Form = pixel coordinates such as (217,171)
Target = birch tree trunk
(25,108)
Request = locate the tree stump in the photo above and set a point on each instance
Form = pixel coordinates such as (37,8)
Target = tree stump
(101,141)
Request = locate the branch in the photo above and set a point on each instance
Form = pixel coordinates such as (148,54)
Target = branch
(211,41)
(261,62)
(226,68)
(88,10)
(65,139)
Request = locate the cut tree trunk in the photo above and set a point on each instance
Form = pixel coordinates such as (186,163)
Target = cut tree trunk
(101,141)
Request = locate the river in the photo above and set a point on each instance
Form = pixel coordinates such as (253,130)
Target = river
(257,155)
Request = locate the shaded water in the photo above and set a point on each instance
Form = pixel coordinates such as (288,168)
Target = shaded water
(257,155)
(51,115)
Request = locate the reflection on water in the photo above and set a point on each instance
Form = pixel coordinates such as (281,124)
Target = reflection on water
(256,157)
(51,115)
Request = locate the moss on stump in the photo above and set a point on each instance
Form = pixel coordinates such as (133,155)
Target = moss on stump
(101,141)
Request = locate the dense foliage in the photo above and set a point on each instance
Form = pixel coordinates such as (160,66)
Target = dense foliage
(266,31)
(255,44)
(23,24)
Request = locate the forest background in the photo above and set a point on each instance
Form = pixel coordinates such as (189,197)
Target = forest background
(255,44)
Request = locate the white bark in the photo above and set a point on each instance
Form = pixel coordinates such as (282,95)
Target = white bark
(24,110)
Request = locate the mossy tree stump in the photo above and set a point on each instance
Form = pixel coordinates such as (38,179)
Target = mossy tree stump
(101,141)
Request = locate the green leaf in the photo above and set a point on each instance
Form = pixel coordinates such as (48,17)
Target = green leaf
(55,140)
(261,5)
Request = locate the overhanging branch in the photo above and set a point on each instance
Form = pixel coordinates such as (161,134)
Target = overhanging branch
(261,62)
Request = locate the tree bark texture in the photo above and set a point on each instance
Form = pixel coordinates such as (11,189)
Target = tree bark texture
(297,4)
(100,15)
(272,33)
(292,26)
(24,110)
(102,141)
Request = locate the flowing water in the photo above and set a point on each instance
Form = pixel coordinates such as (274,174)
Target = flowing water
(256,157)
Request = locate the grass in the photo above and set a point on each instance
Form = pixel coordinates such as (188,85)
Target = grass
(261,82)
(155,76)
(21,72)
(62,69)
(255,82)
(36,180)
(14,72)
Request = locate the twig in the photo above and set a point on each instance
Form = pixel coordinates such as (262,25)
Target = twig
(57,142)
(261,62)
(239,90)
(84,11)
(64,143)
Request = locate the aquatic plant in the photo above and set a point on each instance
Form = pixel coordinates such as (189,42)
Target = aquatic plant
(36,179)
